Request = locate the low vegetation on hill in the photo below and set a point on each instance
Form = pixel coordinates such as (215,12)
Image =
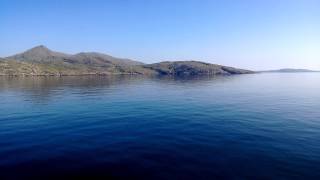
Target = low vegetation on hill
(40,61)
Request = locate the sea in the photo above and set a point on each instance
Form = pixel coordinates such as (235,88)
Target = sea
(253,126)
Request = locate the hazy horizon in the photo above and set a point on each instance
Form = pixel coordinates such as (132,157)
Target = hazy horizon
(245,34)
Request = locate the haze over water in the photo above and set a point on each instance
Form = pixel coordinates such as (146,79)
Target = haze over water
(262,126)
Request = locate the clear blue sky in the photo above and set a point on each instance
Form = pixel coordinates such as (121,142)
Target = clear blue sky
(254,34)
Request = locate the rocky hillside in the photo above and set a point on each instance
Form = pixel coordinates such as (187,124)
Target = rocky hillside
(193,68)
(42,61)
(42,54)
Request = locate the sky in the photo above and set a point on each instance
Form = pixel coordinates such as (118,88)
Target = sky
(251,34)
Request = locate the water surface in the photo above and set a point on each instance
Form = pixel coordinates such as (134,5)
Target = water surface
(259,126)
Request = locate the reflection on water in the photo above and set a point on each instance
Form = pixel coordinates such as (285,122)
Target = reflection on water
(41,88)
(257,126)
(52,82)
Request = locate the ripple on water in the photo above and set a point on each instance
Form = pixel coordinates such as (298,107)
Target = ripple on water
(259,126)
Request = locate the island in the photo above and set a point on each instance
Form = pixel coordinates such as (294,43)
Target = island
(289,70)
(41,61)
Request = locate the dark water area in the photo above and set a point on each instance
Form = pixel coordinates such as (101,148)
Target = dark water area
(258,126)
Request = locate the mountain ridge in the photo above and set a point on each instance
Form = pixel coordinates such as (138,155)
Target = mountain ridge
(40,60)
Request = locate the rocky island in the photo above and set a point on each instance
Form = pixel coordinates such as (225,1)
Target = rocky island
(41,61)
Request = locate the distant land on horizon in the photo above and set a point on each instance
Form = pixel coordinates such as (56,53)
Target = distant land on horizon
(41,61)
(289,70)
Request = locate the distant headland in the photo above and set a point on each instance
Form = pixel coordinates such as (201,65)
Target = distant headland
(289,70)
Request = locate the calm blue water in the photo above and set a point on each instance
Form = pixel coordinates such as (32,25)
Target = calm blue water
(261,126)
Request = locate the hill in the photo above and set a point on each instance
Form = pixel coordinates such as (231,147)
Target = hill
(42,61)
(193,68)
